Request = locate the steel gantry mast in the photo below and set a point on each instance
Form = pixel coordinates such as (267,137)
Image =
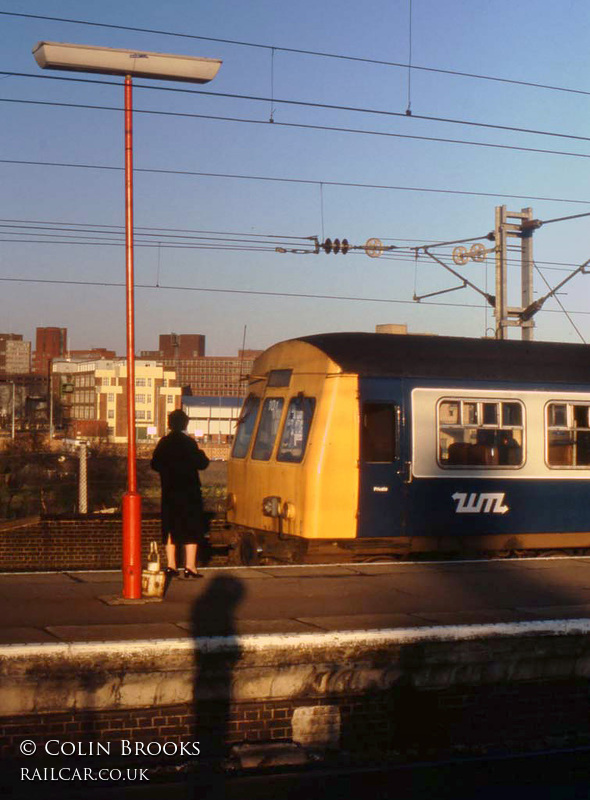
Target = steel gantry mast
(506,230)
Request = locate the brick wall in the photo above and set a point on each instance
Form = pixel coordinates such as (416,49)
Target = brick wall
(64,543)
(376,694)
(405,722)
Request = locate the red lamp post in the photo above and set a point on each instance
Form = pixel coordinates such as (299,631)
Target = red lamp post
(110,61)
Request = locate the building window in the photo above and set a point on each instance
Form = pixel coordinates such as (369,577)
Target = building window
(140,414)
(140,381)
(170,399)
(111,397)
(480,433)
(568,435)
(111,413)
(140,398)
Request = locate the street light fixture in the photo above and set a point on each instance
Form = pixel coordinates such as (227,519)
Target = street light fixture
(158,66)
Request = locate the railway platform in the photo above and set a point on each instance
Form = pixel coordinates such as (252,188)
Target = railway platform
(384,660)
(81,606)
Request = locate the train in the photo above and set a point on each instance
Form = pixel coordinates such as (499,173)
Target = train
(369,446)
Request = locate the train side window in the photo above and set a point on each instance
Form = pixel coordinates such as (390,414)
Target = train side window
(568,435)
(378,440)
(245,426)
(511,414)
(490,413)
(267,428)
(296,429)
(557,415)
(477,433)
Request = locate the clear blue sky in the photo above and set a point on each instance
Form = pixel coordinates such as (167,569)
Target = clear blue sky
(534,41)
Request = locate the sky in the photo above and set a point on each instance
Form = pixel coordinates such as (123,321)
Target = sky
(259,184)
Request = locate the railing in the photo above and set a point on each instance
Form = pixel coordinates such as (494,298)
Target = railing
(47,481)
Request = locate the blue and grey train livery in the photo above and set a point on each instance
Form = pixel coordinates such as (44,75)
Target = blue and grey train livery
(362,445)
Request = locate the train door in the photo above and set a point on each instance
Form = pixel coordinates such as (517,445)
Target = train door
(381,482)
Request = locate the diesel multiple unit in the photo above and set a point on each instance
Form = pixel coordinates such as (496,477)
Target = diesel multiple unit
(358,445)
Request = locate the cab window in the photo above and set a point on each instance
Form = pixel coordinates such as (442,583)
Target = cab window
(267,428)
(296,429)
(246,424)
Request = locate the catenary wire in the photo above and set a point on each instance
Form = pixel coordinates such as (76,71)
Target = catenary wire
(301,51)
(300,125)
(37,230)
(53,225)
(303,295)
(235,248)
(208,243)
(116,232)
(308,181)
(308,104)
(560,304)
(121,228)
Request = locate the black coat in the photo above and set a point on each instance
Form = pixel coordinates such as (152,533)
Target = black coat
(178,459)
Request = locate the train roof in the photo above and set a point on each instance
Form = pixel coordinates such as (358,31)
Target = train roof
(410,355)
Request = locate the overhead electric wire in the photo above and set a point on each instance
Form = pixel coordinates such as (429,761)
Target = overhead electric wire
(57,225)
(39,230)
(301,51)
(565,311)
(400,257)
(308,181)
(563,219)
(226,245)
(121,228)
(109,284)
(114,234)
(308,104)
(300,125)
(179,246)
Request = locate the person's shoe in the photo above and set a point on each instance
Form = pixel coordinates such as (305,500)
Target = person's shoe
(171,572)
(188,573)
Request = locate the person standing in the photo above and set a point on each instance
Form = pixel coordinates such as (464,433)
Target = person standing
(178,459)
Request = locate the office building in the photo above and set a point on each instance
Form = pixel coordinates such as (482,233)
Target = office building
(15,354)
(50,343)
(96,399)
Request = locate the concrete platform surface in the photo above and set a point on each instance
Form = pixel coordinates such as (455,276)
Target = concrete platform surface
(74,606)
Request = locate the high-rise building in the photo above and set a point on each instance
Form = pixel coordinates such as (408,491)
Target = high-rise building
(213,376)
(200,375)
(15,354)
(181,345)
(50,343)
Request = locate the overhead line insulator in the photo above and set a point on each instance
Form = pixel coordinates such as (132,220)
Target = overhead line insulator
(336,246)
